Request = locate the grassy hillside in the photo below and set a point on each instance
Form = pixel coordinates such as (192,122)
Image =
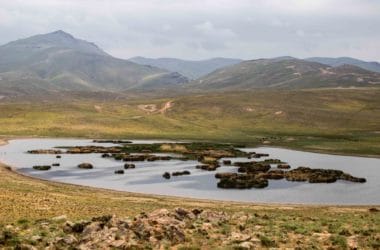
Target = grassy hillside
(344,121)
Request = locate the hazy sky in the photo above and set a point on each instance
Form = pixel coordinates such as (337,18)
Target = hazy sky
(196,29)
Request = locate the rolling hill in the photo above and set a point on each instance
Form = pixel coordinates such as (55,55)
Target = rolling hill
(334,62)
(285,73)
(190,69)
(58,61)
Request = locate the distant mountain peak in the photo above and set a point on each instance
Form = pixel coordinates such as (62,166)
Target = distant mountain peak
(56,39)
(61,33)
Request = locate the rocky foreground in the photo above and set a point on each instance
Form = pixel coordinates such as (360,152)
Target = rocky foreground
(163,229)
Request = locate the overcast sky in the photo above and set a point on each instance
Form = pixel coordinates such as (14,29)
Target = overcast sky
(197,29)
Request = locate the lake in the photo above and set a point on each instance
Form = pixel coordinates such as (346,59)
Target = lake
(147,176)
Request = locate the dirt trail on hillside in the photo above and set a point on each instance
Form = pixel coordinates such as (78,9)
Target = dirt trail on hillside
(168,105)
(152,108)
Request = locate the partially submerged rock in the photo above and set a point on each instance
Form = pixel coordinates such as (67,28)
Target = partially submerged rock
(129,166)
(283,166)
(242,181)
(227,162)
(93,149)
(166,175)
(320,175)
(45,151)
(42,167)
(113,141)
(208,167)
(120,171)
(85,166)
(252,167)
(179,173)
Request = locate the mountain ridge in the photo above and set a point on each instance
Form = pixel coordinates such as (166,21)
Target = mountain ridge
(192,69)
(371,66)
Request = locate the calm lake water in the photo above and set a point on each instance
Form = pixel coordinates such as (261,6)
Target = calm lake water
(147,176)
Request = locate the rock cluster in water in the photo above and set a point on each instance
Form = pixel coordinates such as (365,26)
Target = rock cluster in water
(250,174)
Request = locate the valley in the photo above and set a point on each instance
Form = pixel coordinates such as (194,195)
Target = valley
(100,152)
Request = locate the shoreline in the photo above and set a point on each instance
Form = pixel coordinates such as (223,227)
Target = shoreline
(13,170)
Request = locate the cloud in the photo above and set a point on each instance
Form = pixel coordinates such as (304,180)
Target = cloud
(205,28)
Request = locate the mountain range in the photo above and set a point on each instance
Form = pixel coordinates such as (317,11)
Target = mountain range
(58,62)
(286,73)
